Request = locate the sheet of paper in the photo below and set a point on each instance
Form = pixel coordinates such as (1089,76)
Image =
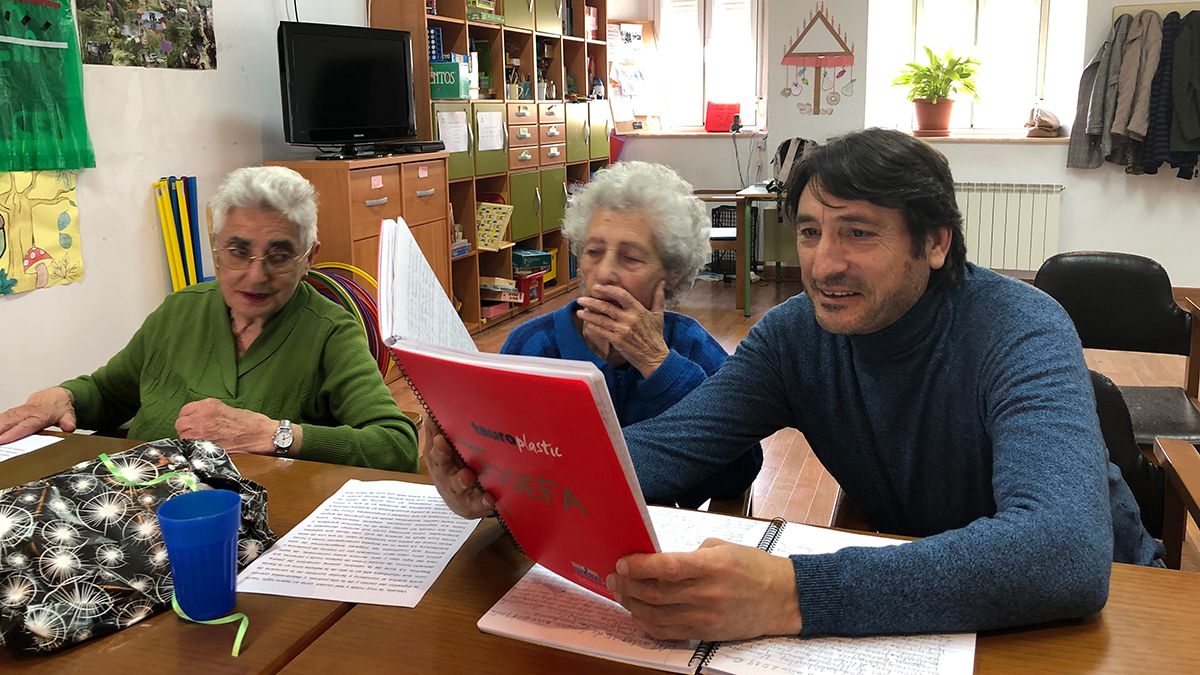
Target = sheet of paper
(26,445)
(491,130)
(622,108)
(452,130)
(545,609)
(377,542)
(617,51)
(412,303)
(943,654)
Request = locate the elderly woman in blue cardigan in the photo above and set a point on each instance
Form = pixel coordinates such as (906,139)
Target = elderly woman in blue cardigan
(640,237)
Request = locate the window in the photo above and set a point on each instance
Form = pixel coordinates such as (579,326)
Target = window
(709,51)
(1007,37)
(1010,38)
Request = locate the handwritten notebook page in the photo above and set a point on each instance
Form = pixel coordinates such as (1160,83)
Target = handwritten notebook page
(412,303)
(376,542)
(913,654)
(544,609)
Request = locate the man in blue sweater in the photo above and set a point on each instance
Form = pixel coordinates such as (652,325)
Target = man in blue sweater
(949,402)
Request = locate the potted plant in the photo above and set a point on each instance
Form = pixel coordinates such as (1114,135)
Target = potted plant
(930,86)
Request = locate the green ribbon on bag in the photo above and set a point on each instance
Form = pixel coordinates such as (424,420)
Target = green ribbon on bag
(189,479)
(229,618)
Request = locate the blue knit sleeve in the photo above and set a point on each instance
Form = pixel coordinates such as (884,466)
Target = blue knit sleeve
(1046,552)
(712,434)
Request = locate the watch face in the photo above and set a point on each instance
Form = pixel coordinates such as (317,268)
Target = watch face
(283,438)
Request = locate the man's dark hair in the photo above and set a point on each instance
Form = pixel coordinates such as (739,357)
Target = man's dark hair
(891,169)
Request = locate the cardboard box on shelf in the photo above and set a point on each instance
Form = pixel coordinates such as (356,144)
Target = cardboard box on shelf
(449,80)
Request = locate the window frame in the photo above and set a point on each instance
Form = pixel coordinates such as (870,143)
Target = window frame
(1039,84)
(758,10)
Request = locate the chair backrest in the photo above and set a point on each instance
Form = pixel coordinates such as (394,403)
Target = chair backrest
(1145,479)
(1117,301)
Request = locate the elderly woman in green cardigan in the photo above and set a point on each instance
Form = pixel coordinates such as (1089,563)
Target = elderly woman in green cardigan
(256,361)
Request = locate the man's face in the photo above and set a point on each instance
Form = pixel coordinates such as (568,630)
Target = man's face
(857,262)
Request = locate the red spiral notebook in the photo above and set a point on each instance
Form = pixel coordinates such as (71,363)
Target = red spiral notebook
(542,436)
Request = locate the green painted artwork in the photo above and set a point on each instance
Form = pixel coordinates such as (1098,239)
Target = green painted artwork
(42,125)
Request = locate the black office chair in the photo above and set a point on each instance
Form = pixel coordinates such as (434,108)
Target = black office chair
(1124,302)
(1145,479)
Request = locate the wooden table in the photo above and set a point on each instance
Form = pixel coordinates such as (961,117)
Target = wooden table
(279,627)
(745,203)
(1149,625)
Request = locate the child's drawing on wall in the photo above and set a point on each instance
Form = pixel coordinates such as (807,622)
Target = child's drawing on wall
(39,231)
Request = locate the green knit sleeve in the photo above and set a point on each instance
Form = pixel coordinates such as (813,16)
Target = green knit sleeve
(371,431)
(111,396)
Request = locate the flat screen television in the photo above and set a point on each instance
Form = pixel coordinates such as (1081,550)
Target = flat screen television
(346,85)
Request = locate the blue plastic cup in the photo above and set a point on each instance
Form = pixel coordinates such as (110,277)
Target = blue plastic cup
(200,530)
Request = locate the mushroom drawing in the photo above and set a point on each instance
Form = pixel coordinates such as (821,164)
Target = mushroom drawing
(34,262)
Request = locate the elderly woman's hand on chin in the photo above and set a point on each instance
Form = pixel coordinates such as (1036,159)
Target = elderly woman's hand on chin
(234,429)
(612,316)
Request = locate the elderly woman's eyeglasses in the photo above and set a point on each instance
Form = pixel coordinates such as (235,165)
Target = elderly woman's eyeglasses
(274,262)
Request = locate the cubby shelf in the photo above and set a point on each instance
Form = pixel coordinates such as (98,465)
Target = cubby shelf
(549,143)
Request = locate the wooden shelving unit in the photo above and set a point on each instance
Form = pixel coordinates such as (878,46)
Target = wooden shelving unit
(550,140)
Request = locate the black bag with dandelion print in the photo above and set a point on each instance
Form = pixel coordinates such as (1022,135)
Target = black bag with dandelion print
(80,551)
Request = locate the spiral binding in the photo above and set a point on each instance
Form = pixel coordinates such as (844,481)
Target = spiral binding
(774,529)
(433,418)
(706,650)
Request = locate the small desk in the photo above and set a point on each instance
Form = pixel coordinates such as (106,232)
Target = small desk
(279,627)
(745,202)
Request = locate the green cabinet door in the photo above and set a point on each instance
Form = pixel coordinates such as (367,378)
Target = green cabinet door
(548,16)
(554,197)
(577,132)
(460,164)
(524,195)
(518,13)
(598,123)
(489,161)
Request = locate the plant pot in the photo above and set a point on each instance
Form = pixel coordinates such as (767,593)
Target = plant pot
(933,119)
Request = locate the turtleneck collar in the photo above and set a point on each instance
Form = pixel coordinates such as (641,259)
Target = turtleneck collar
(908,332)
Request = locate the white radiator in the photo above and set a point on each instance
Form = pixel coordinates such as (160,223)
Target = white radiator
(1012,226)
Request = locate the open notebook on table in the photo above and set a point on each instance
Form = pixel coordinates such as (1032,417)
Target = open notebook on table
(541,434)
(544,610)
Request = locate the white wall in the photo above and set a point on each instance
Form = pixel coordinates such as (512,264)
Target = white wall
(1103,208)
(786,19)
(147,123)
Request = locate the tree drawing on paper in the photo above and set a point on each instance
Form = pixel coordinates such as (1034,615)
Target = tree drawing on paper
(820,64)
(39,231)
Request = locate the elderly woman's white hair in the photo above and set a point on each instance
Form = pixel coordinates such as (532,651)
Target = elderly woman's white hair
(269,188)
(658,193)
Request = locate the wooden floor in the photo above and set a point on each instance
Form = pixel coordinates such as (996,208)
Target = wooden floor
(793,484)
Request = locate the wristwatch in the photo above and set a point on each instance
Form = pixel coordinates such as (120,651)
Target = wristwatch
(283,438)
